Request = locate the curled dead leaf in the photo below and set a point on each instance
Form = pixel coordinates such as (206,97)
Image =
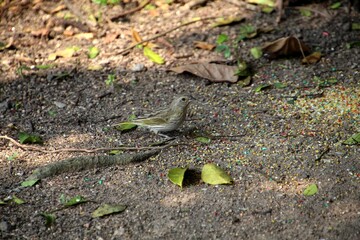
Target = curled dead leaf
(204,45)
(286,46)
(312,58)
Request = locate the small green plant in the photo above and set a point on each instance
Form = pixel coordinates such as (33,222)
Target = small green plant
(110,80)
(221,47)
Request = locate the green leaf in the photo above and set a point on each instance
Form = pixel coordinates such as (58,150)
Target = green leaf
(256,52)
(115,152)
(2,202)
(125,126)
(154,57)
(110,79)
(49,219)
(93,52)
(246,31)
(310,190)
(29,183)
(222,38)
(17,200)
(335,5)
(353,140)
(176,175)
(261,87)
(107,209)
(267,9)
(100,2)
(305,12)
(214,175)
(203,140)
(224,49)
(279,85)
(29,138)
(75,201)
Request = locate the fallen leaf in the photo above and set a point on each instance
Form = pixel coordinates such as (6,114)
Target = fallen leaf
(285,47)
(205,140)
(335,5)
(29,138)
(310,190)
(93,52)
(256,52)
(214,175)
(49,219)
(29,183)
(110,37)
(261,87)
(17,200)
(65,53)
(107,209)
(95,67)
(125,126)
(227,21)
(211,71)
(312,58)
(176,175)
(204,45)
(353,140)
(137,39)
(75,201)
(154,57)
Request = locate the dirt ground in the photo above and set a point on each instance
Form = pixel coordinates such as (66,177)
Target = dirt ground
(273,143)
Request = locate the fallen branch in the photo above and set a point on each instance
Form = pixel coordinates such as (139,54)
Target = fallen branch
(164,33)
(94,150)
(122,14)
(81,163)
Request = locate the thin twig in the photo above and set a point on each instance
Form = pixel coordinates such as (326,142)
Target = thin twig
(122,14)
(38,149)
(164,33)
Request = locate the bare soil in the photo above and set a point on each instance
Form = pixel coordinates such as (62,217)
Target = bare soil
(273,143)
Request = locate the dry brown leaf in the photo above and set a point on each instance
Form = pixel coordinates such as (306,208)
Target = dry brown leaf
(211,71)
(137,38)
(284,47)
(312,58)
(204,45)
(110,37)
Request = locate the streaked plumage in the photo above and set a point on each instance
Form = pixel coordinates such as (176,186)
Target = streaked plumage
(168,119)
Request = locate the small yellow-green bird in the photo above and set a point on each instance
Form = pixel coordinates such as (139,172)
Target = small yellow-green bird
(165,120)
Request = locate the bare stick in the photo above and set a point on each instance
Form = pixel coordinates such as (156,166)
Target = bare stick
(38,149)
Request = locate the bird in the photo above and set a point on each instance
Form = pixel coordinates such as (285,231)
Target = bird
(165,120)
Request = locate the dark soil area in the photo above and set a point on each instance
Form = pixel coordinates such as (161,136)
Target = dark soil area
(273,143)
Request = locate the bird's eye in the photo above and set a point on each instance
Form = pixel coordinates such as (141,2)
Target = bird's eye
(183,99)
